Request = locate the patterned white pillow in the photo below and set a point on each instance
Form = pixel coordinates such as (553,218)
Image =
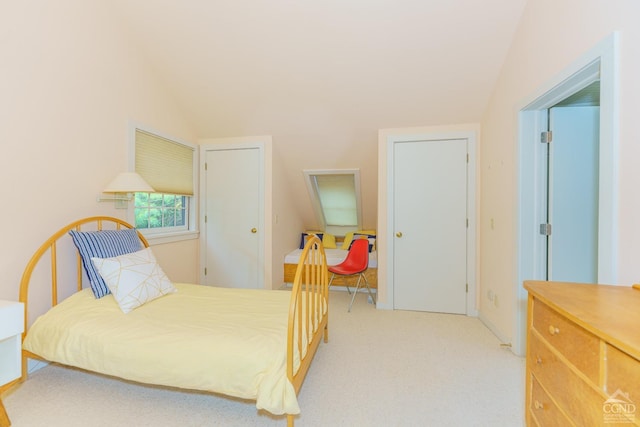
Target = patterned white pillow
(134,279)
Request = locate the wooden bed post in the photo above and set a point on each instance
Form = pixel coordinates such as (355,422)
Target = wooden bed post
(4,418)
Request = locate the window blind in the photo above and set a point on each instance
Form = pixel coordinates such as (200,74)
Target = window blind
(166,165)
(337,194)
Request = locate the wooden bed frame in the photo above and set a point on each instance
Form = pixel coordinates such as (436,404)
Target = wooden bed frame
(309,294)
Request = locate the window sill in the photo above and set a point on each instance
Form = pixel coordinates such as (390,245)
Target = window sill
(162,238)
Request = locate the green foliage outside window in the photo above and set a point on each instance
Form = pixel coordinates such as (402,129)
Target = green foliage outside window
(155,210)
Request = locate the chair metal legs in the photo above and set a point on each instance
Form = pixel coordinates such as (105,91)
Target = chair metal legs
(361,276)
(331,280)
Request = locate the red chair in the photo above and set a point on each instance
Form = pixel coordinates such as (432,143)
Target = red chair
(356,263)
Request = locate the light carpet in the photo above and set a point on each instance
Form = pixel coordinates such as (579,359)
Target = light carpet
(379,368)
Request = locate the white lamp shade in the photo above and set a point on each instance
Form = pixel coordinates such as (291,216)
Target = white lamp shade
(128,182)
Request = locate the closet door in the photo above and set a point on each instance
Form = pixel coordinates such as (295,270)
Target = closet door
(430,225)
(233,217)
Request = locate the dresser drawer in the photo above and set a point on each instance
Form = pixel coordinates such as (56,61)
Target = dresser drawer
(578,345)
(622,373)
(543,410)
(580,401)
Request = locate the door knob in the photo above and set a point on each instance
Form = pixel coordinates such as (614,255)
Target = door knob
(254,230)
(399,234)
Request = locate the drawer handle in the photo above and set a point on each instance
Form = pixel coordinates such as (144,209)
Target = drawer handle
(553,330)
(538,360)
(538,405)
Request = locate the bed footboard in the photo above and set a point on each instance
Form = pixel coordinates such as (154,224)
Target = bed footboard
(308,312)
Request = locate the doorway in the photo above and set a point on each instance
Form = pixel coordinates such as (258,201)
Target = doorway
(597,65)
(572,192)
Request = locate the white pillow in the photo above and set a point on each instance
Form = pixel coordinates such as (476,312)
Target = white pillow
(134,279)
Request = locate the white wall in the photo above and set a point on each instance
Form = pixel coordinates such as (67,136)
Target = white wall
(551,36)
(287,222)
(70,82)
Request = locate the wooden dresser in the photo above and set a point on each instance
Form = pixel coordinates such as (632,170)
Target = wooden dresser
(583,355)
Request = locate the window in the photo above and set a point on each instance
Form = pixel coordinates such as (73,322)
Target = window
(167,165)
(157,210)
(335,195)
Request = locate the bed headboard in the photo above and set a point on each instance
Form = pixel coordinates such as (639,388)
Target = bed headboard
(51,244)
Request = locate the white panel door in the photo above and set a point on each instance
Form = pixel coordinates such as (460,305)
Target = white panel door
(232,212)
(573,194)
(430,225)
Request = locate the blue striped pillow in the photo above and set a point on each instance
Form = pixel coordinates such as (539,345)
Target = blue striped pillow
(103,244)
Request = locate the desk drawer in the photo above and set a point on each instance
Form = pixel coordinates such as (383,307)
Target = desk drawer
(578,345)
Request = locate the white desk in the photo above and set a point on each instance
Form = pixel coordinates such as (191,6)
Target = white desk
(11,328)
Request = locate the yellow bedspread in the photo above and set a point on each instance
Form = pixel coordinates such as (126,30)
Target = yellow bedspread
(229,341)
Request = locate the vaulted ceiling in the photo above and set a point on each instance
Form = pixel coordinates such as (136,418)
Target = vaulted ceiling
(322,77)
(237,66)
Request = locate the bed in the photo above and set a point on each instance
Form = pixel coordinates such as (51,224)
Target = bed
(250,344)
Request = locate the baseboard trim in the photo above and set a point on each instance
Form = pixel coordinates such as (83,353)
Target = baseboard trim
(505,341)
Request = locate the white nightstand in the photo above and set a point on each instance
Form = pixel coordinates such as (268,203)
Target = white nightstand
(11,328)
